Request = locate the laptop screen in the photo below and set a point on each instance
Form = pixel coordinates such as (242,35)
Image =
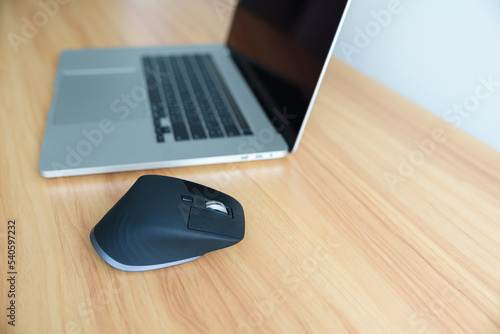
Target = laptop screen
(281,47)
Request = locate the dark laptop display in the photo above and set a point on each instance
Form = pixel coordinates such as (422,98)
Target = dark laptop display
(281,47)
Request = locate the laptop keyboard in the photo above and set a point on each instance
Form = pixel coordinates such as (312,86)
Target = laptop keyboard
(187,91)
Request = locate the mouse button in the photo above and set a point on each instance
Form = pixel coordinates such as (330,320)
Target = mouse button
(213,222)
(150,187)
(186,198)
(194,188)
(199,191)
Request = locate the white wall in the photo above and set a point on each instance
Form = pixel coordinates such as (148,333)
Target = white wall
(442,54)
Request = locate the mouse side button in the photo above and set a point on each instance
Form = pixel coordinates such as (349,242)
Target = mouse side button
(218,223)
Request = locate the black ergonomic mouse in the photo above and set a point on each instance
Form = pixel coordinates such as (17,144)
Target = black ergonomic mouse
(163,221)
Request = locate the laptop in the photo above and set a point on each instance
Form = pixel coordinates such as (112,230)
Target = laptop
(122,109)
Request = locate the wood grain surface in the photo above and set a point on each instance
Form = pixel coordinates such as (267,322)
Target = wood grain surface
(386,219)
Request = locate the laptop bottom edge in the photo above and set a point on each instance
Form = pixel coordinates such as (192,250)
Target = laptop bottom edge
(162,164)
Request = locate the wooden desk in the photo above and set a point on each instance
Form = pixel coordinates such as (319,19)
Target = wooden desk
(386,220)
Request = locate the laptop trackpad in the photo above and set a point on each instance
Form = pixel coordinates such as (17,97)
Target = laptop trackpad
(92,97)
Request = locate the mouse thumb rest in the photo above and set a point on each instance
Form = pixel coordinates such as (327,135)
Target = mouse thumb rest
(163,221)
(118,265)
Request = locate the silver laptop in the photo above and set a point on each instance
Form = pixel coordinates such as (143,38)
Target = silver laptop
(126,109)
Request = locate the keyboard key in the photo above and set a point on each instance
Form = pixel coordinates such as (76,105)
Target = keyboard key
(197,132)
(242,122)
(231,131)
(215,133)
(247,132)
(161,111)
(180,131)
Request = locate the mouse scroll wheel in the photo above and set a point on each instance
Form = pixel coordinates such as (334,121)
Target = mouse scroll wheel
(216,206)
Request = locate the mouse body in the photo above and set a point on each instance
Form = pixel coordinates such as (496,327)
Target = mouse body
(163,221)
